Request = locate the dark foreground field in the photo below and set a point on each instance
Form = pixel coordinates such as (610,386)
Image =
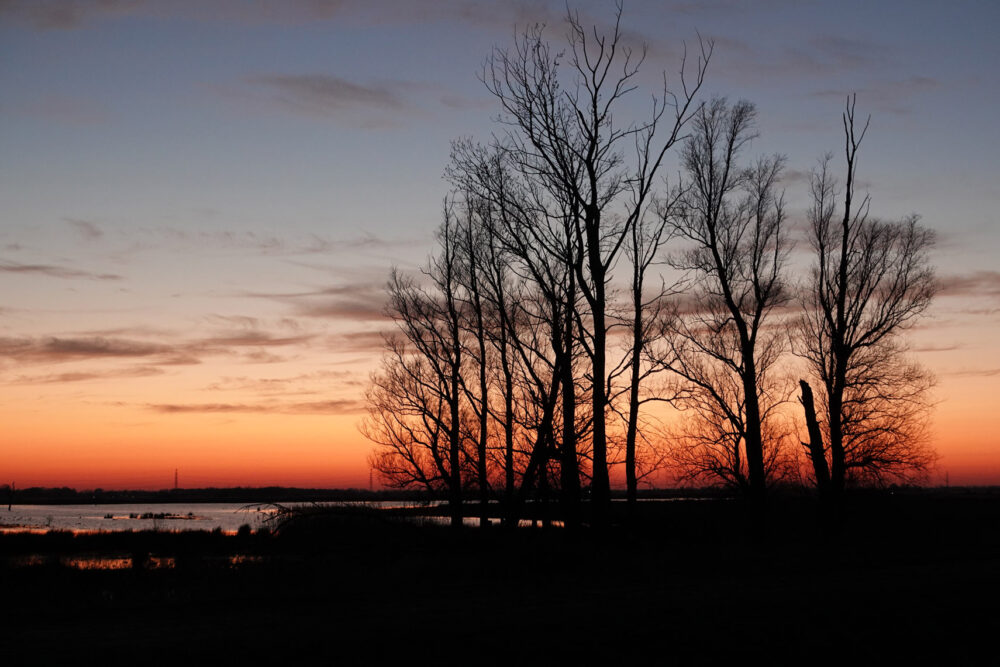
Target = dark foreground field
(912,578)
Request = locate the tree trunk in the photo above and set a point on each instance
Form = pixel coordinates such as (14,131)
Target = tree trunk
(820,469)
(508,436)
(601,487)
(569,466)
(454,462)
(484,483)
(753,437)
(838,460)
(631,481)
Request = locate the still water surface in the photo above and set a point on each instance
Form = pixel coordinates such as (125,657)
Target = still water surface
(151,516)
(173,516)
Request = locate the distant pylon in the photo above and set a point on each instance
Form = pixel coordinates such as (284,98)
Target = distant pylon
(175,479)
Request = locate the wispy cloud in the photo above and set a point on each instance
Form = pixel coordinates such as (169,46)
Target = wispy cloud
(980,312)
(807,57)
(463,103)
(334,407)
(976,372)
(978,283)
(892,96)
(71,14)
(370,104)
(249,339)
(87,230)
(54,271)
(302,384)
(61,349)
(931,347)
(795,176)
(357,309)
(262,243)
(847,52)
(358,341)
(354,301)
(82,376)
(324,93)
(65,14)
(250,344)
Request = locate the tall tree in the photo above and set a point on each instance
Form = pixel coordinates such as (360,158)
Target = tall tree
(568,142)
(871,280)
(534,238)
(501,293)
(415,404)
(470,246)
(646,311)
(733,221)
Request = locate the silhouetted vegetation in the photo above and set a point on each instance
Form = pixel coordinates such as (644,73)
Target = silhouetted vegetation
(871,280)
(506,371)
(351,584)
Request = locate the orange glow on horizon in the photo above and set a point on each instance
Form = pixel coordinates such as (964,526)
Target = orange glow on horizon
(131,433)
(207,450)
(85,450)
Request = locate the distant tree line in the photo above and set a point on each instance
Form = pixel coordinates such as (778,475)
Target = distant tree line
(37,495)
(532,351)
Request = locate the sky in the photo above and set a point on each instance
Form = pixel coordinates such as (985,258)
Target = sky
(201,201)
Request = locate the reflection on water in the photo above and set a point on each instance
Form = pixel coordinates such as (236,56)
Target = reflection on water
(75,562)
(33,560)
(473,521)
(227,517)
(96,563)
(244,559)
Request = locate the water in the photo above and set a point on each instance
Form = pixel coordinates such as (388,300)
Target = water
(172,516)
(159,516)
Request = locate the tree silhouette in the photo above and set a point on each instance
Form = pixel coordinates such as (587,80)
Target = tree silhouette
(871,280)
(541,254)
(564,136)
(505,373)
(732,220)
(472,276)
(647,309)
(415,404)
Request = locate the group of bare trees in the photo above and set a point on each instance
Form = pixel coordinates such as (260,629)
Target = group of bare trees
(531,348)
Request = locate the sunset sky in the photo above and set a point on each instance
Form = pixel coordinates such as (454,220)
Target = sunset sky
(200,203)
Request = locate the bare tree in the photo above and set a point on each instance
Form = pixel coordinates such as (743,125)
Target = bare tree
(501,294)
(470,246)
(533,237)
(567,141)
(521,288)
(871,280)
(647,308)
(732,219)
(415,404)
(406,421)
